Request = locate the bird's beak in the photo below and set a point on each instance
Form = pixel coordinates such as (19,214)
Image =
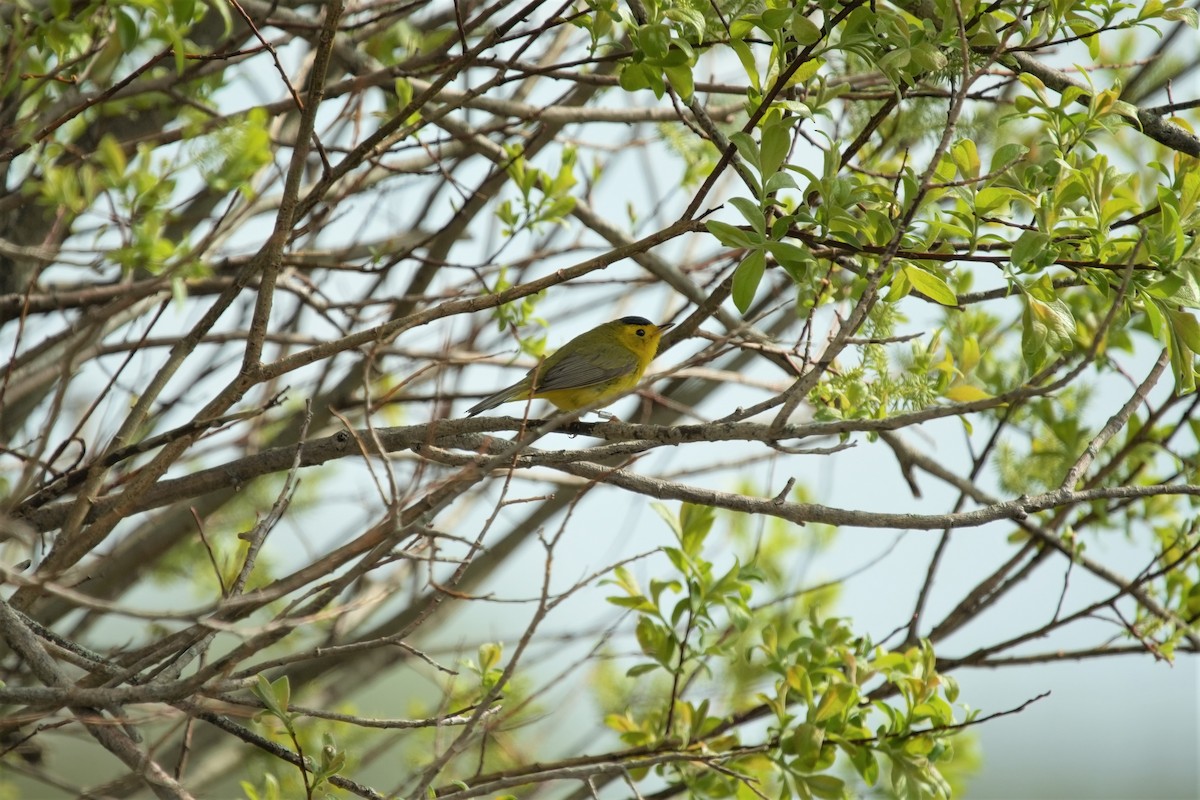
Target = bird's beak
(664,326)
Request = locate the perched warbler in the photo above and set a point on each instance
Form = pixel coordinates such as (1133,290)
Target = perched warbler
(594,367)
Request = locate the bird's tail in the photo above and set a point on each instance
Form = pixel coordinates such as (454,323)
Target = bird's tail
(513,392)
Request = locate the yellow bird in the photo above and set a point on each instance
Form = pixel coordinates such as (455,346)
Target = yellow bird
(595,367)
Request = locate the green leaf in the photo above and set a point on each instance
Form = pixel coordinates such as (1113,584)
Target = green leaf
(965,393)
(1006,155)
(930,285)
(404,91)
(666,515)
(179,292)
(696,521)
(282,689)
(795,258)
(275,696)
(127,29)
(804,30)
(689,17)
(747,148)
(635,76)
(112,155)
(332,759)
(489,655)
(1187,16)
(776,142)
(1183,354)
(637,603)
(1186,328)
(751,212)
(1154,318)
(773,19)
(1029,248)
(681,80)
(826,787)
(992,199)
(966,158)
(806,742)
(728,235)
(778,181)
(1047,328)
(183,11)
(801,75)
(655,41)
(1191,606)
(655,640)
(899,287)
(177,48)
(1181,287)
(894,61)
(677,558)
(864,761)
(1057,318)
(835,701)
(657,587)
(746,279)
(746,56)
(1183,365)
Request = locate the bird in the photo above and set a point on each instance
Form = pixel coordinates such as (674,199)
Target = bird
(594,368)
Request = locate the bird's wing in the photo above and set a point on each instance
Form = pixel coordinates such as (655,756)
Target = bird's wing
(576,371)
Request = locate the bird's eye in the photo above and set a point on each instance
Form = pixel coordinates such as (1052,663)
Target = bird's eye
(641,331)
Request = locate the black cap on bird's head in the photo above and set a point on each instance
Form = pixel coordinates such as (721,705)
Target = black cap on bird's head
(643,324)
